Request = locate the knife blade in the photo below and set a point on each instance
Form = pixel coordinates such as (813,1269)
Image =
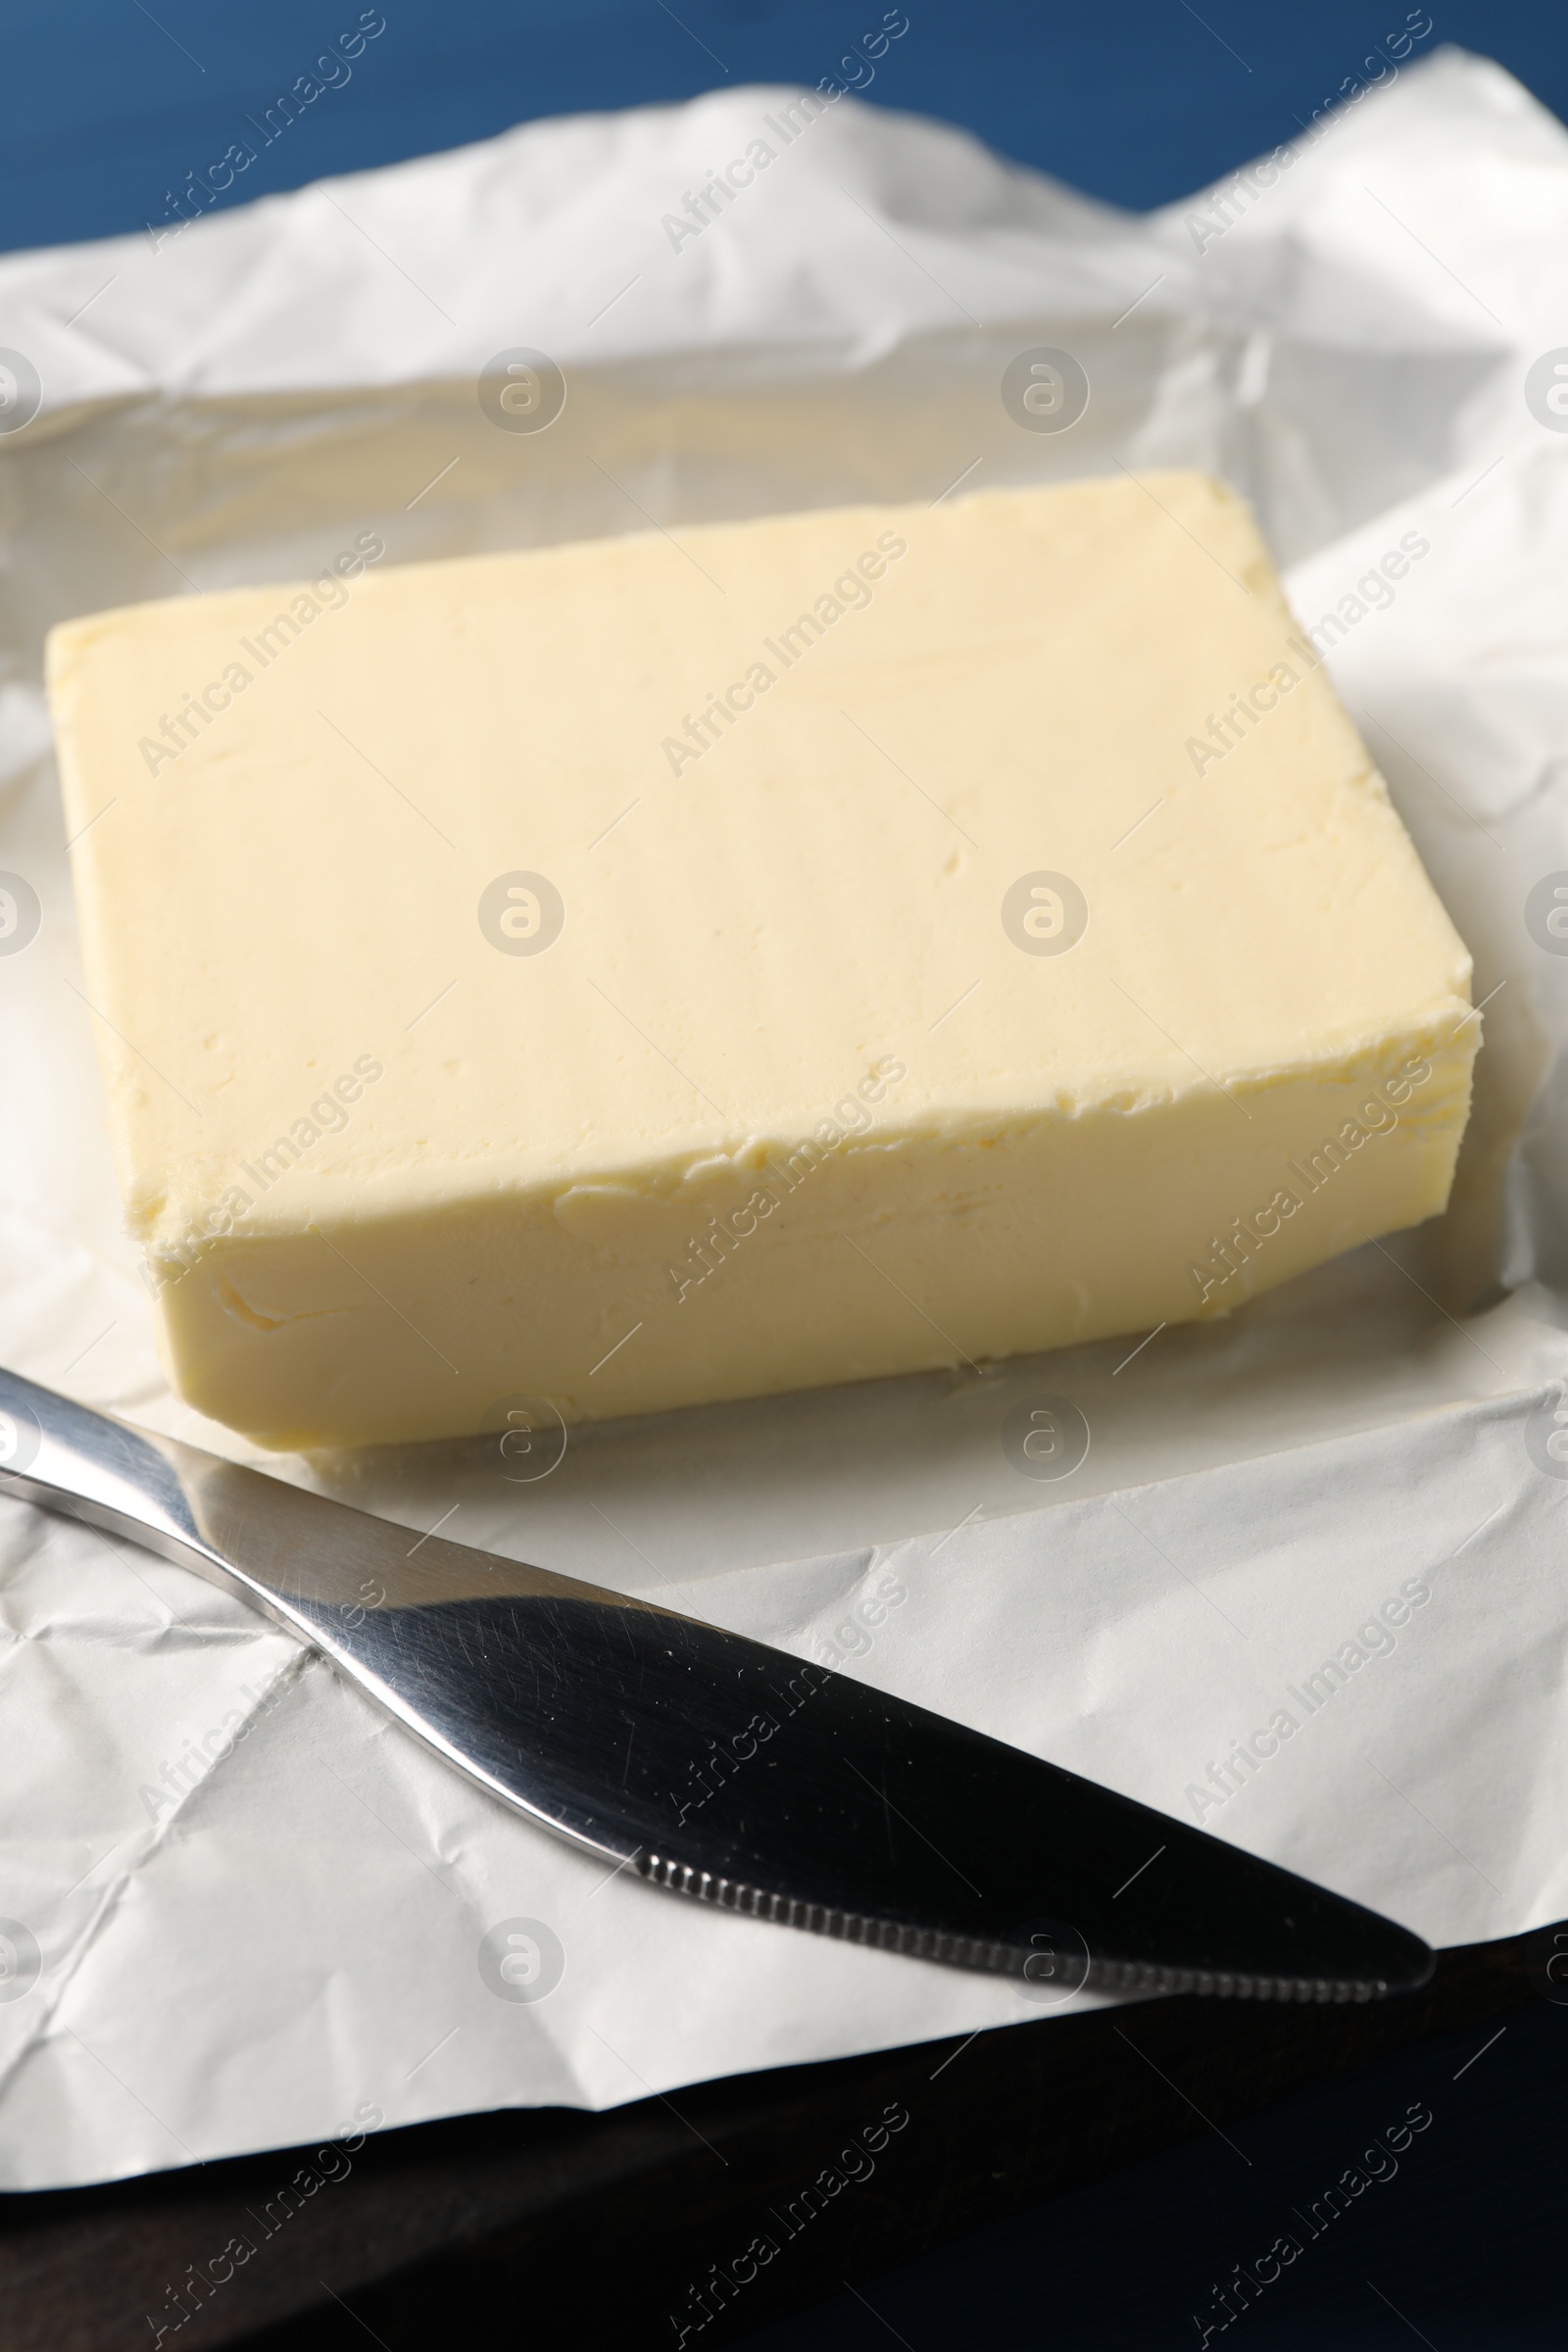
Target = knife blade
(713,1766)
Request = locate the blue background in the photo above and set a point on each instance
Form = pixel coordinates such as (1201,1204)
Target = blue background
(105,104)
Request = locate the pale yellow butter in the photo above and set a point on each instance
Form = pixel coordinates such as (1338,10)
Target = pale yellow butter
(677,967)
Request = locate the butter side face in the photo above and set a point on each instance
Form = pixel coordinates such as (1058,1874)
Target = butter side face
(633,974)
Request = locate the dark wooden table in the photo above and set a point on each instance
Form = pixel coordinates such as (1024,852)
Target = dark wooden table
(590,2231)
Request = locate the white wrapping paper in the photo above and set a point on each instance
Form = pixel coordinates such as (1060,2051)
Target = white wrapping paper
(244,1911)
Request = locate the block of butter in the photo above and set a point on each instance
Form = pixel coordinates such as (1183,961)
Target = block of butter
(719,962)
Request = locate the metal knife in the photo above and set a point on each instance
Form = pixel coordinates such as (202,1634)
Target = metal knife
(716,1766)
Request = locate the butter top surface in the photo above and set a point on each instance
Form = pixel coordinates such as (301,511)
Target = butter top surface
(924,707)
